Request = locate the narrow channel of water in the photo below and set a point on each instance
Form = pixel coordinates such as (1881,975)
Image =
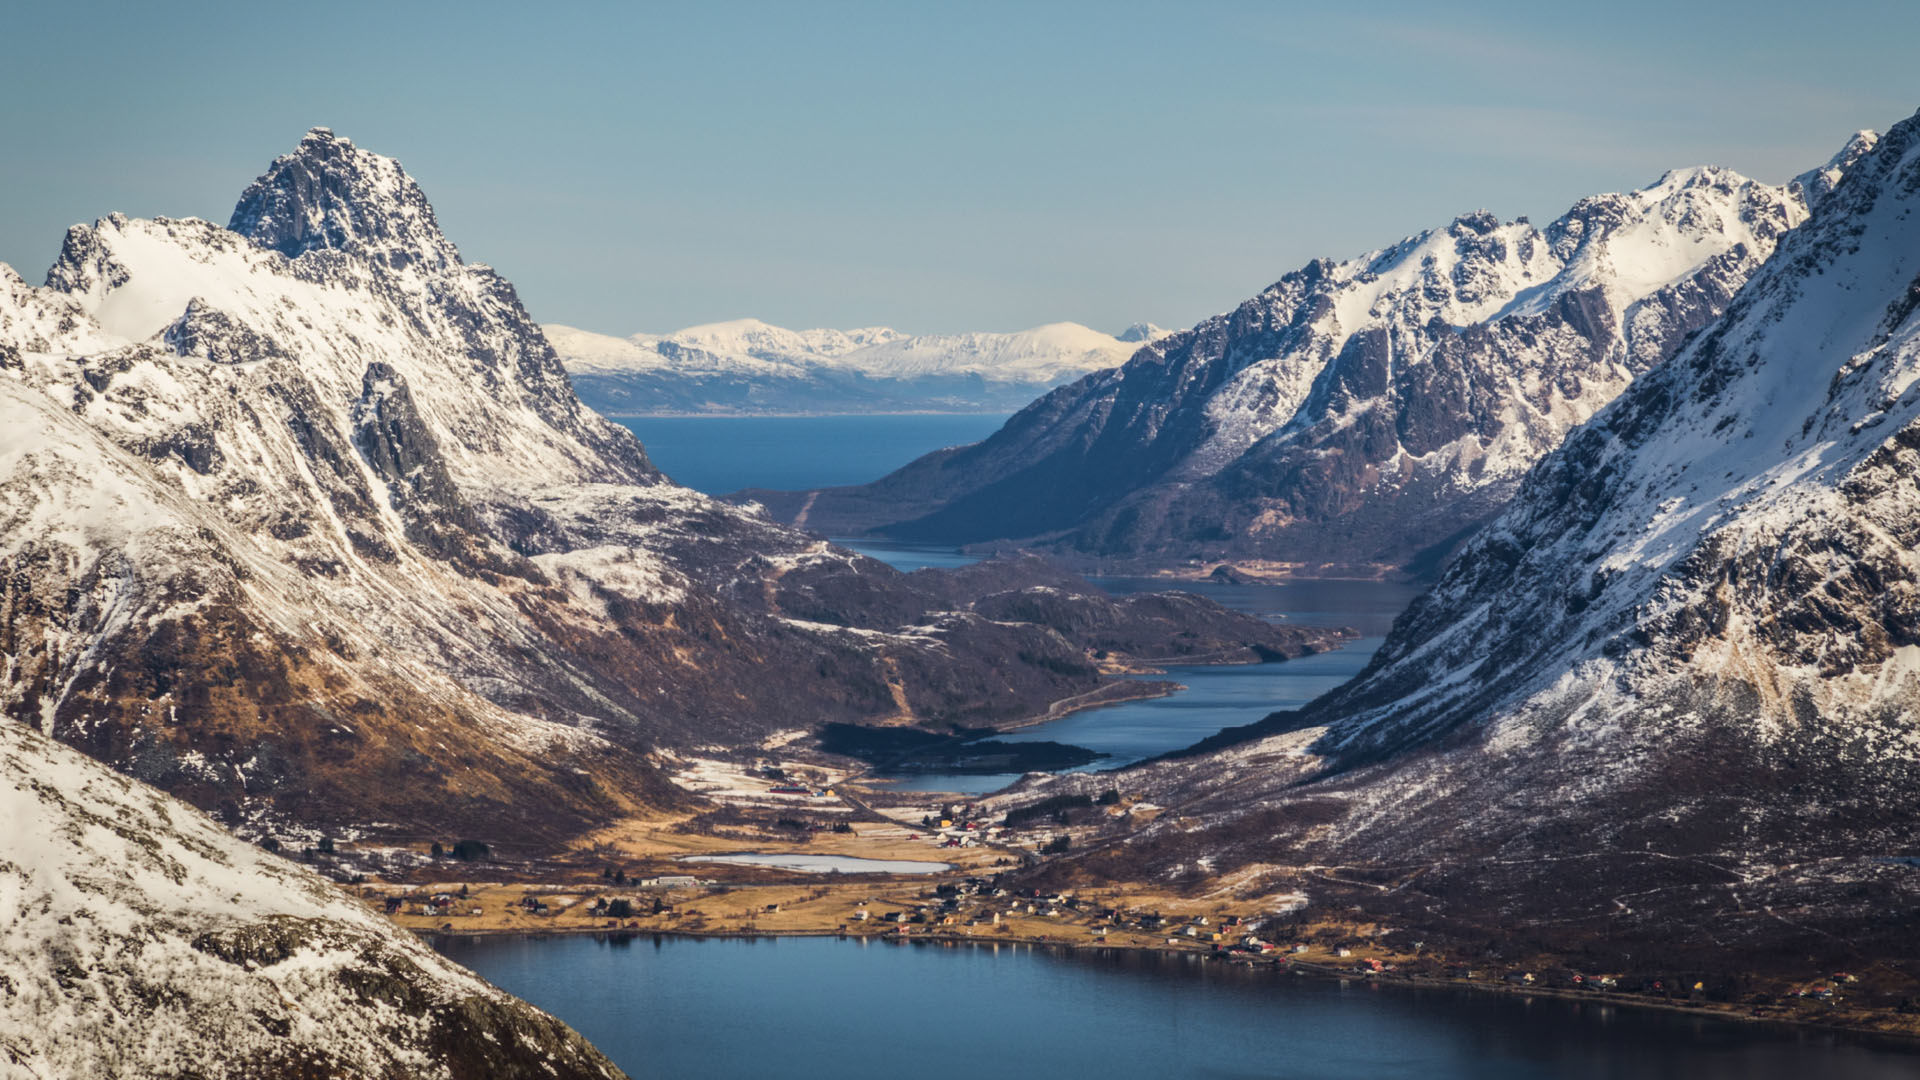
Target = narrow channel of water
(723,1009)
(1215,696)
(723,454)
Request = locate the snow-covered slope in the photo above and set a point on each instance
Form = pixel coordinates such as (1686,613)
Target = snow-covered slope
(1679,677)
(141,941)
(1357,413)
(748,366)
(303,521)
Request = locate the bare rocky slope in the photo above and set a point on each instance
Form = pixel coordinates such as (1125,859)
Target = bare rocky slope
(1359,416)
(302,521)
(1665,705)
(142,941)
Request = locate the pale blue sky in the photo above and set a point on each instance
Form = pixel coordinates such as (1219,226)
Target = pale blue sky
(929,166)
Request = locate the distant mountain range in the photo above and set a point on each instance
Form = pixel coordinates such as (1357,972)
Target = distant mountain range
(1664,710)
(1359,416)
(749,367)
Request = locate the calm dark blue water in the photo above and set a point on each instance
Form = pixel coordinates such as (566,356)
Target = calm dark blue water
(1216,696)
(907,557)
(722,454)
(728,1008)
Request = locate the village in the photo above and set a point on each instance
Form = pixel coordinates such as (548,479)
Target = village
(808,850)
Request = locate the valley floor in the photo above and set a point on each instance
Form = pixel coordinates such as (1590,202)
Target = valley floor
(962,905)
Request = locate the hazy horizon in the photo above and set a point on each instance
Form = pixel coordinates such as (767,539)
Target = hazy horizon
(995,167)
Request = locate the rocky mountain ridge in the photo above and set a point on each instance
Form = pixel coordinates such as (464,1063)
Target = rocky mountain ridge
(1665,703)
(303,522)
(747,366)
(1358,416)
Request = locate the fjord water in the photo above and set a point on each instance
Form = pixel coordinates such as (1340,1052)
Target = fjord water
(722,454)
(738,1008)
(1214,697)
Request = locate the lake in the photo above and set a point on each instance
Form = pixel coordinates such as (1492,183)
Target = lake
(722,454)
(722,1009)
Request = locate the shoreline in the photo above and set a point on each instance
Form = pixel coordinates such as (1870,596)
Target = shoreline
(1118,692)
(1147,684)
(1906,1042)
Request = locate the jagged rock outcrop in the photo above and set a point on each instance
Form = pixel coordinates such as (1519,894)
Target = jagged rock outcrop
(301,520)
(1670,694)
(1359,415)
(144,942)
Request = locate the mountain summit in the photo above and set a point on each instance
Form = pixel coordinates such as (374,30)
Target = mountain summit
(329,195)
(1357,415)
(304,523)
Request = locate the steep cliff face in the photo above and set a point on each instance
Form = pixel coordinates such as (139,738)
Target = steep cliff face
(1357,414)
(142,941)
(302,520)
(1675,684)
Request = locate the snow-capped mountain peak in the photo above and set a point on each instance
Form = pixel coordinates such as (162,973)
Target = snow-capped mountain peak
(331,195)
(1298,427)
(761,340)
(1816,184)
(750,365)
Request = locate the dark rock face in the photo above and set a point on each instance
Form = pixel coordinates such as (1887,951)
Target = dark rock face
(1354,417)
(323,196)
(218,337)
(403,452)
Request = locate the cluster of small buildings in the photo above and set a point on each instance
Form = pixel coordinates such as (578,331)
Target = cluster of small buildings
(1825,989)
(801,789)
(435,906)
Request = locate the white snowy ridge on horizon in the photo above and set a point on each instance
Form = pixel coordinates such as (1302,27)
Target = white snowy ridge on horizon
(1042,355)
